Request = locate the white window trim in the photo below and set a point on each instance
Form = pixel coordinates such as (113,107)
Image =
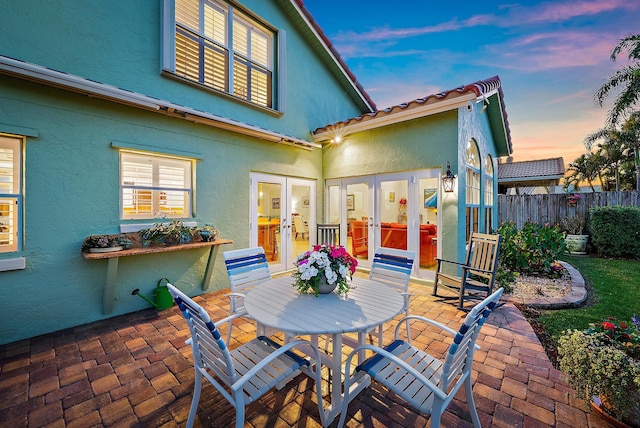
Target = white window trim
(16,143)
(277,59)
(156,161)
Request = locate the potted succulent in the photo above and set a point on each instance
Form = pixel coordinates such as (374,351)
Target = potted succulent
(576,241)
(603,364)
(207,233)
(172,233)
(105,243)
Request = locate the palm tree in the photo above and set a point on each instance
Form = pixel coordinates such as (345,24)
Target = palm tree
(584,168)
(612,150)
(632,127)
(627,80)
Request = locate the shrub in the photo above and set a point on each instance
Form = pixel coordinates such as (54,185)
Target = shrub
(602,361)
(615,231)
(532,249)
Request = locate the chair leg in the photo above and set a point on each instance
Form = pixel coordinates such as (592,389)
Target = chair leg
(239,399)
(229,332)
(468,388)
(435,286)
(197,388)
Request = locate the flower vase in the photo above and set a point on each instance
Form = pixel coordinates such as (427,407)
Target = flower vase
(324,287)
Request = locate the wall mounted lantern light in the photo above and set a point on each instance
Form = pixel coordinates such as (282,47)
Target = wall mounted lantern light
(448,180)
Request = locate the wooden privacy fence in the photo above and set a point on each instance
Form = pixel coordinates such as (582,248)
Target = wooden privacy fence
(551,209)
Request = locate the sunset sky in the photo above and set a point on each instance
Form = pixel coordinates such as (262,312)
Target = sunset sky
(551,57)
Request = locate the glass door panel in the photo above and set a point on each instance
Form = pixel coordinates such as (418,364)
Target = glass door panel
(359,209)
(393,206)
(269,198)
(301,220)
(428,241)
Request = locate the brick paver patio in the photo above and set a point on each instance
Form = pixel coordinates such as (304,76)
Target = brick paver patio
(135,370)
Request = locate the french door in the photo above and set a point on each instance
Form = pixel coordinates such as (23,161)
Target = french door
(388,210)
(282,217)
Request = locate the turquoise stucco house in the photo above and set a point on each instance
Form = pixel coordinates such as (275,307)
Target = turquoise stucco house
(117,115)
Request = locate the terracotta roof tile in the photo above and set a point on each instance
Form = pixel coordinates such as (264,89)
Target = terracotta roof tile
(530,169)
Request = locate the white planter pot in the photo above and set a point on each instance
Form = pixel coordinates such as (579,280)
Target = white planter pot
(577,244)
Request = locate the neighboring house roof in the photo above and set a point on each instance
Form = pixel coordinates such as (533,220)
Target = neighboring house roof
(543,172)
(489,91)
(543,169)
(327,51)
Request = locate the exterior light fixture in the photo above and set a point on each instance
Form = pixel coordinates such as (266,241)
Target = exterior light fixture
(448,180)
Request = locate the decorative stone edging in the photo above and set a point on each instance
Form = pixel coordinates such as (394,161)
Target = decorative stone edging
(574,299)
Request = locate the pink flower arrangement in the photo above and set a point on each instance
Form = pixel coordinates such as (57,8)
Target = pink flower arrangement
(329,263)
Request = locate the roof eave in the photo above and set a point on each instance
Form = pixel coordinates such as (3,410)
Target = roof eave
(374,120)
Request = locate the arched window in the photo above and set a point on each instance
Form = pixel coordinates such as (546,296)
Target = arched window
(473,187)
(488,194)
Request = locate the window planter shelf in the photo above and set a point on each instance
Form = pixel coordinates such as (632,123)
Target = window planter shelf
(108,296)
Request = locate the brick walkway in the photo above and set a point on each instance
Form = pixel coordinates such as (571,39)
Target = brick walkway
(135,370)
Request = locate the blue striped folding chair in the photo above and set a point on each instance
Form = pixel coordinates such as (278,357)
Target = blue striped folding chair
(426,383)
(393,267)
(246,268)
(246,373)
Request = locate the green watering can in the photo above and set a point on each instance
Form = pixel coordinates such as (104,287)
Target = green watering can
(162,297)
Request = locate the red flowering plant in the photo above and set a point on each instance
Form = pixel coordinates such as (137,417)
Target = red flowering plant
(621,335)
(403,202)
(573,199)
(602,363)
(324,263)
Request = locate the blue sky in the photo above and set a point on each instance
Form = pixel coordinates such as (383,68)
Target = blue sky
(551,57)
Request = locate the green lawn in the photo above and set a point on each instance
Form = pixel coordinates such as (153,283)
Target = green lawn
(616,290)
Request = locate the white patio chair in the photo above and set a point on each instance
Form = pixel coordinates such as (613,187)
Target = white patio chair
(393,267)
(246,373)
(246,268)
(426,383)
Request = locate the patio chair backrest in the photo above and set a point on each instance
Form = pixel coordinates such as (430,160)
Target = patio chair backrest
(209,349)
(328,234)
(459,357)
(392,267)
(246,268)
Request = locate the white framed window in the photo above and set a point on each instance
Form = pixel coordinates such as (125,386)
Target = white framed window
(10,192)
(472,200)
(488,194)
(154,186)
(218,46)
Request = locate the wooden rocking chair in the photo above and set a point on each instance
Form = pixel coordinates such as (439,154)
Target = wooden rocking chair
(478,271)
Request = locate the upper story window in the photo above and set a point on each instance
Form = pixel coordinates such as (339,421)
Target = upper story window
(155,186)
(218,46)
(10,192)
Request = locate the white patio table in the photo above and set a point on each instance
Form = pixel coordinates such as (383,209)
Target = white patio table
(276,303)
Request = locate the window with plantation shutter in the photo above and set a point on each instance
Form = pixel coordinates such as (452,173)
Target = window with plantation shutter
(218,46)
(472,188)
(155,186)
(488,194)
(10,192)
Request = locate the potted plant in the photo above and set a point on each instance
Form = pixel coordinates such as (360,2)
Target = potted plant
(207,233)
(105,243)
(323,269)
(575,240)
(172,233)
(603,364)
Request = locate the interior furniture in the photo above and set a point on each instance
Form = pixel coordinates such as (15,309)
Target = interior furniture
(267,238)
(426,383)
(392,268)
(246,268)
(477,272)
(108,295)
(359,230)
(246,373)
(301,226)
(276,303)
(328,233)
(394,235)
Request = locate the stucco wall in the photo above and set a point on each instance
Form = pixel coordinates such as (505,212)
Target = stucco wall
(71,191)
(119,42)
